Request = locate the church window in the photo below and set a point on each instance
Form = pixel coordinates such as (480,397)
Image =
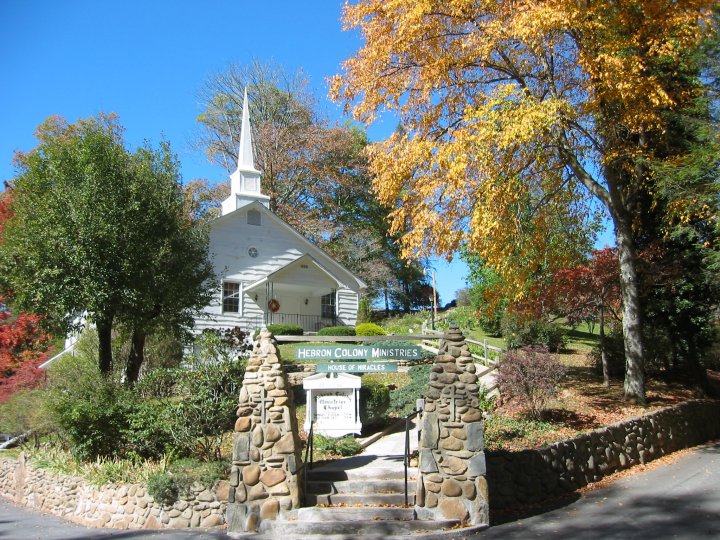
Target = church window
(327,306)
(253,217)
(231,297)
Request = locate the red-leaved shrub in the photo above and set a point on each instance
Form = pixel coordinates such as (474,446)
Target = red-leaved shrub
(531,376)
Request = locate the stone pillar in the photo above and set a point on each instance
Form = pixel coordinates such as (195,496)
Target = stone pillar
(264,481)
(451,480)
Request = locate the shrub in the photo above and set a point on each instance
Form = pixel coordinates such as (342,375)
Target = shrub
(337,331)
(221,345)
(103,419)
(25,411)
(530,376)
(163,488)
(209,399)
(95,419)
(158,383)
(369,329)
(285,329)
(90,410)
(519,332)
(374,402)
(177,480)
(343,446)
(152,428)
(403,400)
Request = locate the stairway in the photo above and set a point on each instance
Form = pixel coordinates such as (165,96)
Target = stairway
(361,497)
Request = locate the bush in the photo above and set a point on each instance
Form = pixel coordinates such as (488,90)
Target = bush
(374,402)
(25,411)
(183,412)
(519,332)
(207,406)
(158,383)
(221,345)
(404,399)
(369,329)
(168,486)
(337,331)
(152,430)
(530,376)
(285,329)
(343,446)
(163,488)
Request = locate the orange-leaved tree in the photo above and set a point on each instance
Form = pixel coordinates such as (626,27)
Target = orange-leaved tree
(516,114)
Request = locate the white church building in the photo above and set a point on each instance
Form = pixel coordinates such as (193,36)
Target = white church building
(270,273)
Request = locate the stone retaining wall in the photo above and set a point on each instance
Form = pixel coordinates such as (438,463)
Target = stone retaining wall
(115,506)
(529,476)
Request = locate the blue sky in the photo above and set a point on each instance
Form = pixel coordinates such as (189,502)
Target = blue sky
(147,61)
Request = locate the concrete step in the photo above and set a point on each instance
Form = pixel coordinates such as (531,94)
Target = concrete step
(360,486)
(365,499)
(359,528)
(349,513)
(364,474)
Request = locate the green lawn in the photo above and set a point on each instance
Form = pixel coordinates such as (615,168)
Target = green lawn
(580,338)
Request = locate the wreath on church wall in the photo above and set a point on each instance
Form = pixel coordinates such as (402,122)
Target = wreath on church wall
(274,305)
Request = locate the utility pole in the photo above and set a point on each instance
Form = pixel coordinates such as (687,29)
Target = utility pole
(434,297)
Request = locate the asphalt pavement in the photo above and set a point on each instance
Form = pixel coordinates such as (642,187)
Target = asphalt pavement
(678,500)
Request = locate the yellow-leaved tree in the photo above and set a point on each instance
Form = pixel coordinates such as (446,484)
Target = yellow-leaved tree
(516,114)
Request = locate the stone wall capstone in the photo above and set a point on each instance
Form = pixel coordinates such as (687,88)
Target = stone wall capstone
(451,480)
(266,448)
(531,476)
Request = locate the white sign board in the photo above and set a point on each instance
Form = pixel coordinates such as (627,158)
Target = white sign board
(333,404)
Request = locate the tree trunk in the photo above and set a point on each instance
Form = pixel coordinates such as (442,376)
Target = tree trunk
(104,330)
(603,352)
(136,356)
(632,327)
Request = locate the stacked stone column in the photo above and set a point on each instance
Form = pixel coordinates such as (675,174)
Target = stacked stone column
(264,480)
(451,479)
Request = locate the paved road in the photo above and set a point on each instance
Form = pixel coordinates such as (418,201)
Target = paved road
(679,500)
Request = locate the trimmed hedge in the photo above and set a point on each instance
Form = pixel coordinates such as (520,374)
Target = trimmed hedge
(285,329)
(337,331)
(369,329)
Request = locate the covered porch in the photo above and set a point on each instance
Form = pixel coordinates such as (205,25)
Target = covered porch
(302,293)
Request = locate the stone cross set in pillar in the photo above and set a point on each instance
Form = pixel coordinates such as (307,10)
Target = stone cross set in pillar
(262,401)
(454,398)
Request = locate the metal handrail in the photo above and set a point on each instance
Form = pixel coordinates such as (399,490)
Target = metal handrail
(406,457)
(308,450)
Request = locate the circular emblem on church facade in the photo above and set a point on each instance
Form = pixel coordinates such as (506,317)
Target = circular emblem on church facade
(253,252)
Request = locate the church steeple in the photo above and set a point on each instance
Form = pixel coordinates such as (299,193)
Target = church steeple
(246,162)
(245,181)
